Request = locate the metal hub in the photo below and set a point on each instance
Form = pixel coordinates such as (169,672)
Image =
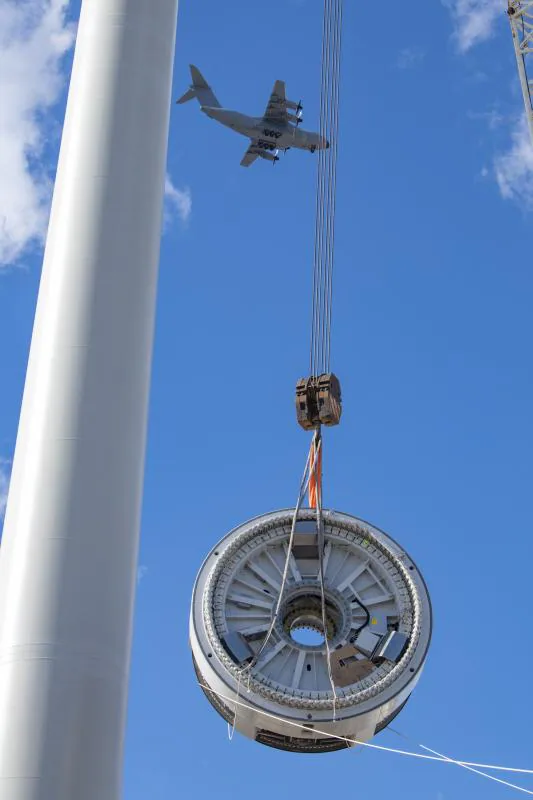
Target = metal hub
(302,608)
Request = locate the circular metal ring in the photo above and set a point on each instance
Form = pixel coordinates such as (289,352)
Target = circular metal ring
(378,619)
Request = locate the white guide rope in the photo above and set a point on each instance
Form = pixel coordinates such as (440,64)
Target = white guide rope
(310,467)
(320,534)
(469,765)
(308,471)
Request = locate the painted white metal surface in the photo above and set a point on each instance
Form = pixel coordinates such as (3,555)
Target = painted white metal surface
(69,549)
(521,18)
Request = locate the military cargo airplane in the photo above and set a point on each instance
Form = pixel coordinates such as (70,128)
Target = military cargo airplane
(278,129)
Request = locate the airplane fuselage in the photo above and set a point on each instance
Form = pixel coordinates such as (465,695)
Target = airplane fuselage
(269,135)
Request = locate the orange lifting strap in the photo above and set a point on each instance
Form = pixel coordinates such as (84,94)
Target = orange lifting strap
(315,479)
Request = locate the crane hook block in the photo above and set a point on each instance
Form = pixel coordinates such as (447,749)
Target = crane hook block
(318,401)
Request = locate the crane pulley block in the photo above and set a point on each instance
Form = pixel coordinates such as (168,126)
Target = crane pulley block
(329,399)
(306,411)
(318,401)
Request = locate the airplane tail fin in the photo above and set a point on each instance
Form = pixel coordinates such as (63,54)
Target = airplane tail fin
(199,89)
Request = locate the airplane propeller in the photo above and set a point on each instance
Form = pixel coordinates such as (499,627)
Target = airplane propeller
(297,108)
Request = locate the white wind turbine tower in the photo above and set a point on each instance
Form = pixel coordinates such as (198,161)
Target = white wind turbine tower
(69,549)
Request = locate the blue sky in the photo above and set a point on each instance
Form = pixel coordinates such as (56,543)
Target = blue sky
(431,339)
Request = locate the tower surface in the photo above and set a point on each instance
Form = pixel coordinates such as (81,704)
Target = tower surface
(69,550)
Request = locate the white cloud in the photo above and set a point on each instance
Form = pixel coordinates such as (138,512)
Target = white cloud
(514,168)
(34,37)
(474,20)
(410,57)
(4,486)
(178,202)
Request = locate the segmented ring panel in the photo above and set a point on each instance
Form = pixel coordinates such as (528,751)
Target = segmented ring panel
(361,563)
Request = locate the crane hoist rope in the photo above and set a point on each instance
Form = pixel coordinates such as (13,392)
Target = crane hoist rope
(318,397)
(326,185)
(326,189)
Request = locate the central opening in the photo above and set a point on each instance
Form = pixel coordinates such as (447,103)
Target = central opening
(310,637)
(302,620)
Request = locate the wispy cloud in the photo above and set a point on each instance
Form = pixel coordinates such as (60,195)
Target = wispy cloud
(514,168)
(474,20)
(493,118)
(4,486)
(178,203)
(410,57)
(141,573)
(34,38)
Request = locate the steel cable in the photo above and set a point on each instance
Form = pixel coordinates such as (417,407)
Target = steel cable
(319,214)
(331,135)
(350,741)
(334,145)
(320,351)
(324,162)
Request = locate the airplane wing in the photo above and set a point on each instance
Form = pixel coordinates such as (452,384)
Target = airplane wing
(250,155)
(276,110)
(255,150)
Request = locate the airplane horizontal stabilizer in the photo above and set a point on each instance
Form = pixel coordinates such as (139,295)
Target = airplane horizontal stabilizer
(189,94)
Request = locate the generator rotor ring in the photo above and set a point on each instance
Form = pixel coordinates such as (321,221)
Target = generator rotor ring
(238,589)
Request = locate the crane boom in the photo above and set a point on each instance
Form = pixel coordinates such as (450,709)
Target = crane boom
(521,18)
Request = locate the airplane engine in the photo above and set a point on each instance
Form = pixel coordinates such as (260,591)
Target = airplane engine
(283,692)
(297,118)
(269,156)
